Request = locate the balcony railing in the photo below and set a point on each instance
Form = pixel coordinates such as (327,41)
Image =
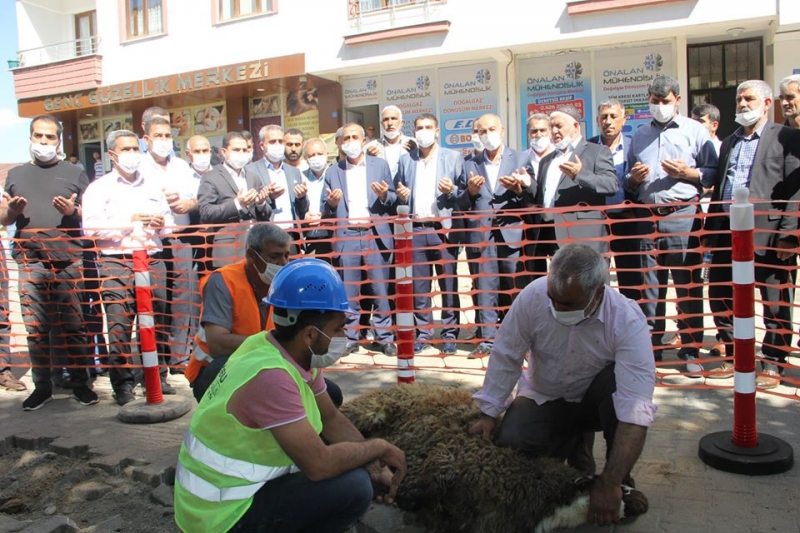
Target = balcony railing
(59,52)
(357,8)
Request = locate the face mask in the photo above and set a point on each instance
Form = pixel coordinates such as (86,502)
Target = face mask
(662,113)
(237,160)
(43,152)
(564,143)
(129,161)
(201,162)
(540,144)
(749,117)
(269,273)
(275,152)
(162,147)
(336,349)
(570,318)
(249,156)
(425,138)
(491,141)
(317,162)
(391,135)
(352,149)
(476,143)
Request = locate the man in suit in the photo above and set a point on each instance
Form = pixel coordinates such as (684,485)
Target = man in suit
(427,180)
(628,225)
(393,143)
(497,182)
(360,192)
(284,183)
(763,157)
(316,237)
(230,196)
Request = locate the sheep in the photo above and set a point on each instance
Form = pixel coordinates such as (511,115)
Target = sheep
(457,482)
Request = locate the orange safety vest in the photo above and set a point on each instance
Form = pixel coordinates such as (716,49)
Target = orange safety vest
(246,317)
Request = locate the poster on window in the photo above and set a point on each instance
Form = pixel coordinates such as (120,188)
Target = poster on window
(546,83)
(625,74)
(265,106)
(210,119)
(359,92)
(465,93)
(413,92)
(181,122)
(89,132)
(302,110)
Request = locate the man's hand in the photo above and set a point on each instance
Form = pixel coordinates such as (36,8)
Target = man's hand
(395,459)
(65,206)
(409,144)
(403,192)
(373,149)
(300,190)
(154,221)
(176,205)
(483,427)
(381,189)
(639,173)
(511,183)
(474,184)
(571,168)
(247,198)
(334,197)
(380,475)
(16,205)
(605,499)
(312,218)
(678,168)
(446,186)
(275,190)
(261,197)
(786,249)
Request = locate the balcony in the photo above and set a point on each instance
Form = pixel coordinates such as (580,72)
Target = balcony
(59,68)
(394,12)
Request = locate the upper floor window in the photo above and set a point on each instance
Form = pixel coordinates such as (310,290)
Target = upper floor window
(145,17)
(233,9)
(362,7)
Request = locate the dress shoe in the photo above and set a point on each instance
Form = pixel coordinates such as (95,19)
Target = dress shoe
(124,395)
(166,388)
(723,371)
(351,347)
(389,350)
(770,379)
(448,348)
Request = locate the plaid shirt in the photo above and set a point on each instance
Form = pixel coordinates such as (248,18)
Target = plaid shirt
(740,163)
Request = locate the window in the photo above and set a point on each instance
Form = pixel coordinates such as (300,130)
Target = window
(233,9)
(361,7)
(145,17)
(85,24)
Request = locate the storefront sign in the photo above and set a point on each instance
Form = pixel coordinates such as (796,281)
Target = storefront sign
(413,92)
(465,93)
(547,83)
(626,73)
(359,92)
(181,83)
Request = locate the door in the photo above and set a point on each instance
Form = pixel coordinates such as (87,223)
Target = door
(84,32)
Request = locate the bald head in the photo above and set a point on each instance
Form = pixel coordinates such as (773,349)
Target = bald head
(198,151)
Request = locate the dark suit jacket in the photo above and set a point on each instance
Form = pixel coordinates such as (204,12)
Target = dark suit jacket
(293,177)
(626,144)
(488,203)
(594,183)
(215,199)
(449,164)
(774,180)
(377,171)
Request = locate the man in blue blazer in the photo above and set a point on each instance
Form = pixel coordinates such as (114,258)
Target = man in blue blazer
(360,196)
(427,181)
(497,181)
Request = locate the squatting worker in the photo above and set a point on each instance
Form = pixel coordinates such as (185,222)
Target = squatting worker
(258,462)
(590,368)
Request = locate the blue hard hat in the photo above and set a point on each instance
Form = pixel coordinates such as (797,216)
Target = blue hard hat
(307,285)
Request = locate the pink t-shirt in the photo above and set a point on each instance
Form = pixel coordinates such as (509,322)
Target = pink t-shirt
(272,398)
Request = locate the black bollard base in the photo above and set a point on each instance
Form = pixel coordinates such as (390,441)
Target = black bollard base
(140,412)
(771,456)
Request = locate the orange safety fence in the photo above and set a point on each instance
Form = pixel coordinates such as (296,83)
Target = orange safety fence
(475,240)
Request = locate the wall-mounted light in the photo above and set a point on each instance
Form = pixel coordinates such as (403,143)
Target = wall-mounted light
(735,32)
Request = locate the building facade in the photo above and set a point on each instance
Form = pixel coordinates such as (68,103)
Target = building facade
(220,65)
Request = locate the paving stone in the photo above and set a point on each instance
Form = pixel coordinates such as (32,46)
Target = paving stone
(162,495)
(52,524)
(90,491)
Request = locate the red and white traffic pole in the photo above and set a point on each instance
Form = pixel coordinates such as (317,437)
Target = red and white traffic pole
(403,231)
(147,330)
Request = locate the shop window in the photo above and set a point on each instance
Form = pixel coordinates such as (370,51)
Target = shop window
(362,7)
(234,9)
(145,18)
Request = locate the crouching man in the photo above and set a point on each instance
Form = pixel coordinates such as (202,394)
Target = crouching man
(590,368)
(252,461)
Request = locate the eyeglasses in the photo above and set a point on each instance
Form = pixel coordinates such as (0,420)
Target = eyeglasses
(48,136)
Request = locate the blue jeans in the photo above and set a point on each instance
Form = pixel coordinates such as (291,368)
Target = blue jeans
(293,503)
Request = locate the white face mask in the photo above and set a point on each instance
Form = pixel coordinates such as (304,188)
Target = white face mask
(237,160)
(662,113)
(43,152)
(162,147)
(476,143)
(491,141)
(749,117)
(275,152)
(129,161)
(564,143)
(571,318)
(352,149)
(249,156)
(317,162)
(336,350)
(540,144)
(391,135)
(425,138)
(201,162)
(270,272)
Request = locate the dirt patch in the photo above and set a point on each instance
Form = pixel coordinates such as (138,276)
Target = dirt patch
(36,485)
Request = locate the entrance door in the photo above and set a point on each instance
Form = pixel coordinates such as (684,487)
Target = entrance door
(715,70)
(84,32)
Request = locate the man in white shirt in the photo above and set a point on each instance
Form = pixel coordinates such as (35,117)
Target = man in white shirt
(539,143)
(112,205)
(393,143)
(198,154)
(316,239)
